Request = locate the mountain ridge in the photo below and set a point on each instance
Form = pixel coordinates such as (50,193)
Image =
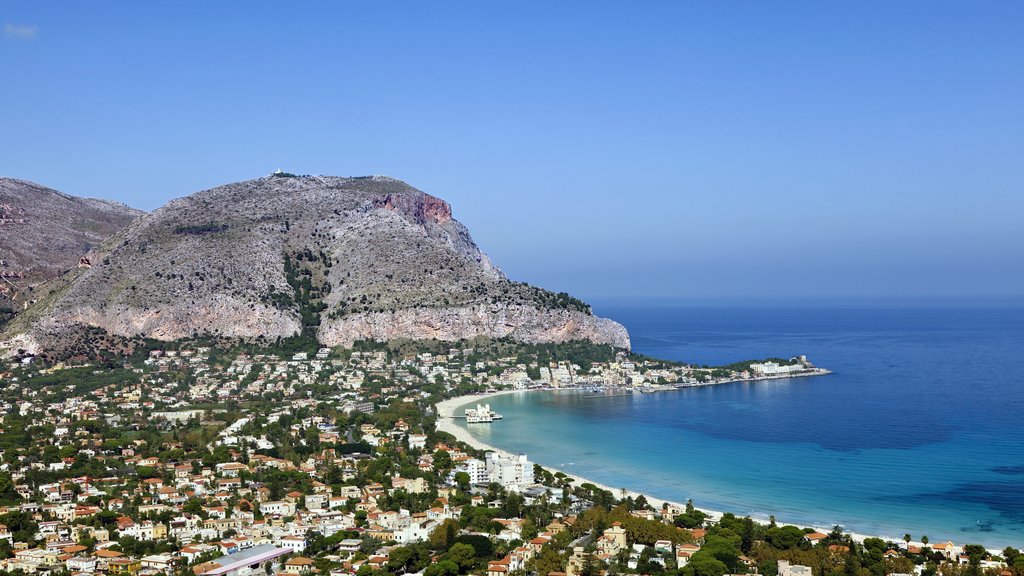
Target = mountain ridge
(45,232)
(330,258)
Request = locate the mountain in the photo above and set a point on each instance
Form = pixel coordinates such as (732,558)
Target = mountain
(44,233)
(335,259)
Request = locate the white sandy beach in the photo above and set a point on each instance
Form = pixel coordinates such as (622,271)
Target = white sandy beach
(445,423)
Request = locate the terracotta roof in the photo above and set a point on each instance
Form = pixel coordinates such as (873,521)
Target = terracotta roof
(107,553)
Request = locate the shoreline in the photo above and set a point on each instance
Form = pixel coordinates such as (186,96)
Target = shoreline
(446,423)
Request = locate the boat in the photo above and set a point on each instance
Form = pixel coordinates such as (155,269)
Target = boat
(482,414)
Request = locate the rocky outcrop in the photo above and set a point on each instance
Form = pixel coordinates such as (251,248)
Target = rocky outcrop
(423,209)
(522,323)
(339,259)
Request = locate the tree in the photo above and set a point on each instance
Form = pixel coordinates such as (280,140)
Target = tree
(442,568)
(1018,565)
(785,537)
(7,492)
(399,559)
(707,565)
(588,568)
(1010,554)
(21,526)
(442,461)
(547,561)
(442,537)
(976,551)
(529,530)
(924,540)
(482,546)
(851,565)
(194,506)
(747,535)
(463,555)
(691,518)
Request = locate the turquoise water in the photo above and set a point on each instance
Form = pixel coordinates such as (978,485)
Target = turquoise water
(920,430)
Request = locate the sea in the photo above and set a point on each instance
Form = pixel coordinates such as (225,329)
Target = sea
(919,430)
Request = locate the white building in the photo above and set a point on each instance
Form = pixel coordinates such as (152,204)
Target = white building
(512,472)
(476,469)
(775,369)
(81,564)
(298,543)
(417,441)
(280,507)
(316,501)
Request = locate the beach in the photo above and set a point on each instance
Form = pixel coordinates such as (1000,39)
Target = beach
(445,423)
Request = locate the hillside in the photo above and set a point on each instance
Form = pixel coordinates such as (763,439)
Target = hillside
(44,233)
(335,259)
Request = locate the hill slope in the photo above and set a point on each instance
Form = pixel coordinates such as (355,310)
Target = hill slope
(44,233)
(338,259)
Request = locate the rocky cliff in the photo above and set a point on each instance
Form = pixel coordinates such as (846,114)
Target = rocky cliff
(338,259)
(44,233)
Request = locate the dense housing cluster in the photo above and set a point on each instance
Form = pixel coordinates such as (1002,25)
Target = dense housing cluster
(195,459)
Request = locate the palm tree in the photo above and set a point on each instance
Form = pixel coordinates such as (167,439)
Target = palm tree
(924,540)
(906,538)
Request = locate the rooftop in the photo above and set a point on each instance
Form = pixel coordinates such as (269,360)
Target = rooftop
(245,558)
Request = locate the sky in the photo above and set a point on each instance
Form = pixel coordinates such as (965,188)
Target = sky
(620,151)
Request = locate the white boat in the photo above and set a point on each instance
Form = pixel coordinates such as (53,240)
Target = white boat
(482,414)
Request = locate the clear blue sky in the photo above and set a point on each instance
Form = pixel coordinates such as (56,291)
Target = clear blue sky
(649,150)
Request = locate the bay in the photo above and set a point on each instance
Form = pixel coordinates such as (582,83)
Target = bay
(919,430)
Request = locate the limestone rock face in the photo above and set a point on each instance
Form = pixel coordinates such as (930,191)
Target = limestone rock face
(44,233)
(523,323)
(341,259)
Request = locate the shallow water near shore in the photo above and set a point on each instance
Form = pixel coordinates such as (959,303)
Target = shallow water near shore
(920,430)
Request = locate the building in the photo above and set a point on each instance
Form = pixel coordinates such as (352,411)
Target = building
(684,552)
(577,561)
(476,469)
(294,543)
(613,540)
(947,549)
(124,567)
(513,473)
(161,562)
(775,369)
(298,565)
(282,507)
(787,569)
(81,564)
(245,563)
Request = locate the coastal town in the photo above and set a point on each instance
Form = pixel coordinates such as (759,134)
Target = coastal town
(200,460)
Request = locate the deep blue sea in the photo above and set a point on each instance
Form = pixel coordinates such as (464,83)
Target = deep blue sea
(920,430)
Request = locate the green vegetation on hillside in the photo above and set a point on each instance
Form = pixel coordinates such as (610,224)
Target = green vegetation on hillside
(745,365)
(582,352)
(6,313)
(199,229)
(553,300)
